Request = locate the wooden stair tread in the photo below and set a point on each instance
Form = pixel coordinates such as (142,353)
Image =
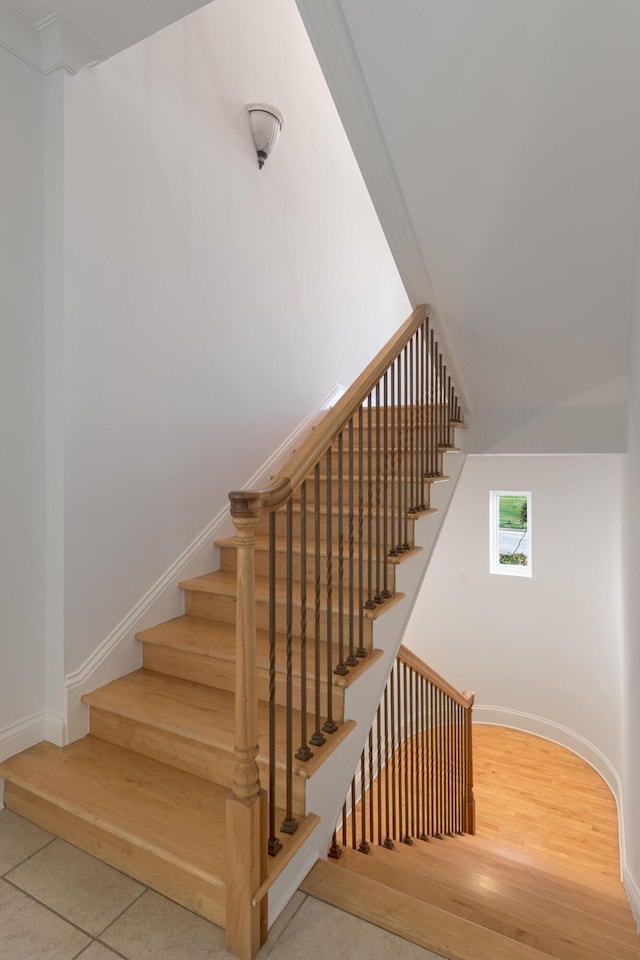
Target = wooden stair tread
(503,860)
(411,918)
(517,883)
(223,583)
(133,797)
(551,926)
(200,713)
(217,639)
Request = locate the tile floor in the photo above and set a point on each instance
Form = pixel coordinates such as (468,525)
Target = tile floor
(58,903)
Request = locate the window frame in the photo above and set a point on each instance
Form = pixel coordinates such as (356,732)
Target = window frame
(507,569)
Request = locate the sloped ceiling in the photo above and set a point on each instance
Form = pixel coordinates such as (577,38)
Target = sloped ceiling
(509,131)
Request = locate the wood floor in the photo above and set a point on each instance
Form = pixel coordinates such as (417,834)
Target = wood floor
(541,878)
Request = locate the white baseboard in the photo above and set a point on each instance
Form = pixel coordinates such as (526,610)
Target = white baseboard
(633,896)
(119,653)
(31,730)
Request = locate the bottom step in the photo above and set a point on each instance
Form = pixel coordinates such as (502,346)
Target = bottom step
(152,822)
(408,917)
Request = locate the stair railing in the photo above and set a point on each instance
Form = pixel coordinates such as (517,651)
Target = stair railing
(414,779)
(345,497)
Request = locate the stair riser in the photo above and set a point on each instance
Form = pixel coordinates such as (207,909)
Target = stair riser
(228,556)
(149,868)
(211,607)
(202,760)
(281,528)
(221,674)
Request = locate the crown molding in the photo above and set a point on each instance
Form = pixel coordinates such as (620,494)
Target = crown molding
(47,45)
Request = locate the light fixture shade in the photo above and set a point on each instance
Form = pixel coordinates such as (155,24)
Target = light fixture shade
(266,124)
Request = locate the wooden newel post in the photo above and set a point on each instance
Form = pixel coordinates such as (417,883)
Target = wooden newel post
(470,803)
(246,809)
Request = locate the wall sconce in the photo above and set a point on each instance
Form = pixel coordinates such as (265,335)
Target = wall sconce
(266,124)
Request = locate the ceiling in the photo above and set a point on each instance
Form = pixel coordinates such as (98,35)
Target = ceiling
(112,25)
(506,133)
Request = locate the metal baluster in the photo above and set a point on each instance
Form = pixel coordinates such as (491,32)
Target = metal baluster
(273,844)
(360,532)
(409,418)
(378,597)
(424,406)
(379,761)
(394,807)
(371,803)
(406,752)
(352,660)
(393,552)
(341,668)
(412,752)
(354,840)
(289,824)
(364,846)
(388,782)
(386,593)
(424,825)
(329,726)
(317,739)
(405,468)
(304,751)
(401,832)
(370,602)
(433,417)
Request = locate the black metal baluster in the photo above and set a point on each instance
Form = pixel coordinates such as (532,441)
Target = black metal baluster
(329,726)
(304,752)
(289,824)
(352,660)
(370,602)
(433,418)
(393,552)
(406,751)
(386,593)
(354,828)
(371,799)
(360,652)
(364,846)
(273,844)
(341,668)
(393,757)
(379,769)
(378,597)
(407,453)
(388,782)
(409,417)
(317,739)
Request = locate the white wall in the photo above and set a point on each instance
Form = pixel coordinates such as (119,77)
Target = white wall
(631,652)
(210,306)
(22,424)
(549,646)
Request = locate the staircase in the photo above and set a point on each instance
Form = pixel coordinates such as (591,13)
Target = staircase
(539,879)
(148,790)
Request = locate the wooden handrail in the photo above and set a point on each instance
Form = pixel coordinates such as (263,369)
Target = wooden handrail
(407,656)
(303,460)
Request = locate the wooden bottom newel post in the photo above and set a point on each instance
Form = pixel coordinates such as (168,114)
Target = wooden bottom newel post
(246,808)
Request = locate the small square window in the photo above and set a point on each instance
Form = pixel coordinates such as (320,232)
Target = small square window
(510,532)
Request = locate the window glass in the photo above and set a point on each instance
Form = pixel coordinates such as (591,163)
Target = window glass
(510,532)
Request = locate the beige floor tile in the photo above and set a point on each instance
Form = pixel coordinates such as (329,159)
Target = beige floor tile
(92,894)
(319,931)
(19,839)
(281,924)
(97,951)
(154,928)
(29,931)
